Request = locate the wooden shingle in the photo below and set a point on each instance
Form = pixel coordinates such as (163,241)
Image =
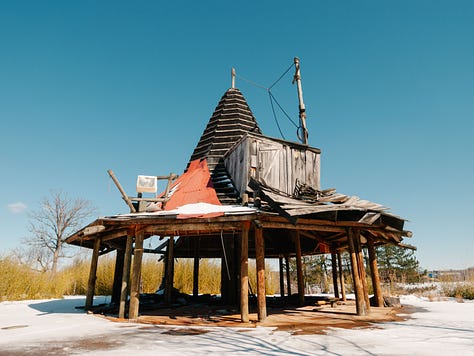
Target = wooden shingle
(231,120)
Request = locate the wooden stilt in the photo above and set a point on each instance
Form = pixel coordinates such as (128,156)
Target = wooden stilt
(341,277)
(282,284)
(170,271)
(136,276)
(299,268)
(288,276)
(358,289)
(361,267)
(334,273)
(244,273)
(374,272)
(92,274)
(119,258)
(125,275)
(196,268)
(260,262)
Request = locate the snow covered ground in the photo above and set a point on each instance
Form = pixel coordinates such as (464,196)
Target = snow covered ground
(55,327)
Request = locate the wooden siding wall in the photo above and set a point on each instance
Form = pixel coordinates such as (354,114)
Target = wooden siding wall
(277,164)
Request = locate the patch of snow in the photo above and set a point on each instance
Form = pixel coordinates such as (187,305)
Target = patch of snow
(199,208)
(56,326)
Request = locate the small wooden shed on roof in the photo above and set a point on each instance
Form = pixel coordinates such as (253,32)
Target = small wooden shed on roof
(244,195)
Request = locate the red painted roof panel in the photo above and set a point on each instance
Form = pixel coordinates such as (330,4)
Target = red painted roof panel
(193,186)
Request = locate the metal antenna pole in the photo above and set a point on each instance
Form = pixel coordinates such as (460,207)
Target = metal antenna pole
(233,78)
(302,114)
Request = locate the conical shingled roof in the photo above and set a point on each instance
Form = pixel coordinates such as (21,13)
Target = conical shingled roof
(231,120)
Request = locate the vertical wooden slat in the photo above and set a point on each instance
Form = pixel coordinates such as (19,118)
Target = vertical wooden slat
(358,289)
(299,268)
(341,276)
(125,275)
(169,270)
(282,283)
(136,276)
(374,272)
(119,258)
(196,267)
(92,274)
(244,273)
(288,276)
(260,262)
(334,273)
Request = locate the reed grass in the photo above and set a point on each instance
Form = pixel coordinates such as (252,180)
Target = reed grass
(20,282)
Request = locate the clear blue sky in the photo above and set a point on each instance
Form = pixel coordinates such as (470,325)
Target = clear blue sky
(87,86)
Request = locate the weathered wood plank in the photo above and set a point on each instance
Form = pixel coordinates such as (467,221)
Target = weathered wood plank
(91,230)
(369,218)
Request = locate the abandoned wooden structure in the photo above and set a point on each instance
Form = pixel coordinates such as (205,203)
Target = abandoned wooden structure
(244,196)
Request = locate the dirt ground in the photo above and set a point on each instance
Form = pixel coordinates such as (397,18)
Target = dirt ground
(310,319)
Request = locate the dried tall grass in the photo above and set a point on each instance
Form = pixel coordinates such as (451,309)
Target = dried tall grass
(20,282)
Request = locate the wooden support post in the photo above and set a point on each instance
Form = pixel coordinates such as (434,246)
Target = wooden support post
(334,273)
(361,267)
(244,273)
(282,284)
(260,262)
(299,268)
(125,275)
(92,274)
(374,272)
(169,271)
(136,276)
(119,258)
(196,267)
(341,276)
(288,276)
(358,289)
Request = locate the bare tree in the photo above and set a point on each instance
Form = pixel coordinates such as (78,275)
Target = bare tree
(56,218)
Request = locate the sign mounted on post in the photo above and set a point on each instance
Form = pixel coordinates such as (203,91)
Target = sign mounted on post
(147,184)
